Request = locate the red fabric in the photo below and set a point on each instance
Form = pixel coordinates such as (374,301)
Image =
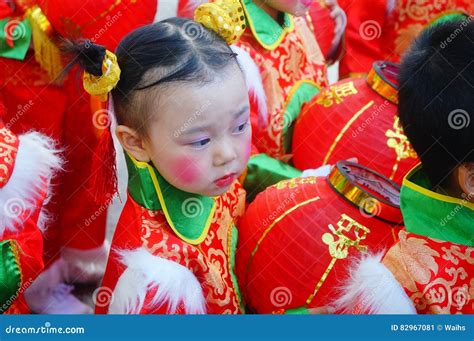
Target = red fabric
(323,27)
(363,40)
(409,19)
(436,275)
(375,137)
(105,22)
(281,70)
(25,233)
(64,114)
(374,34)
(208,261)
(281,254)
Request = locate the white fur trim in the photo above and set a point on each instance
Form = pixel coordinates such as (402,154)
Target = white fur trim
(85,266)
(254,82)
(175,283)
(37,161)
(373,289)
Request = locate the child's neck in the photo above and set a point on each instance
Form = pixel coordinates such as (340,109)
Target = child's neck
(275,14)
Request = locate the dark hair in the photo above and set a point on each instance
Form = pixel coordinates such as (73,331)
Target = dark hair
(436,105)
(172,50)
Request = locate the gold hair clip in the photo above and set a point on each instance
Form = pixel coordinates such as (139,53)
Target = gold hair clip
(101,85)
(225,17)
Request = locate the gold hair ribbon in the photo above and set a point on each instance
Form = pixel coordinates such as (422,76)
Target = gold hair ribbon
(225,17)
(102,85)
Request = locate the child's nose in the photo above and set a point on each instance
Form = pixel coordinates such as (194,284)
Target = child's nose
(224,153)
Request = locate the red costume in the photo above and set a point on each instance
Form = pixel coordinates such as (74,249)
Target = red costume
(172,251)
(27,163)
(384,29)
(68,114)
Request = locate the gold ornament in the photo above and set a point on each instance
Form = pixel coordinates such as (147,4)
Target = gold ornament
(225,17)
(101,85)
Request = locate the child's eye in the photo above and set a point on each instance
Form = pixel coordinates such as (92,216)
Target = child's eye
(241,128)
(200,143)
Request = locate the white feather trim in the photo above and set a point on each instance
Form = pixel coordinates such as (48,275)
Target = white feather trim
(254,82)
(175,284)
(371,288)
(37,161)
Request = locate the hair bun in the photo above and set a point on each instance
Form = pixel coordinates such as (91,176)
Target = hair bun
(91,57)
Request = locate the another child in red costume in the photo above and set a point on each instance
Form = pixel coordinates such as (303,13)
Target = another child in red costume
(27,163)
(183,120)
(383,29)
(433,260)
(292,69)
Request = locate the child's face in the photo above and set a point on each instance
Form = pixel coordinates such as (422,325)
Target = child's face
(293,7)
(200,139)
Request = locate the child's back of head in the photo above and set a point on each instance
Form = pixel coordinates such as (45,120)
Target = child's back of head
(436,105)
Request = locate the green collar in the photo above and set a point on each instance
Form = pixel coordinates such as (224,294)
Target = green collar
(189,215)
(265,29)
(434,215)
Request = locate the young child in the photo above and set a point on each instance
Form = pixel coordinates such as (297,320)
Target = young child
(292,69)
(433,259)
(183,120)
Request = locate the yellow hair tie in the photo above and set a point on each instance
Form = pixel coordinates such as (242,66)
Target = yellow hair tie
(225,17)
(101,85)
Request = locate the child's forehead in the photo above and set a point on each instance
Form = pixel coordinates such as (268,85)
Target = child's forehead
(219,99)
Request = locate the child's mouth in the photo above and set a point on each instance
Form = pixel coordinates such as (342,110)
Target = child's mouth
(225,181)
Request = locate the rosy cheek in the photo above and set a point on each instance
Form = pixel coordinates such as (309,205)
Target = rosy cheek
(186,169)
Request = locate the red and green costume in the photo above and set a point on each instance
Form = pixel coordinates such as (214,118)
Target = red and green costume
(384,29)
(432,265)
(293,70)
(27,162)
(173,251)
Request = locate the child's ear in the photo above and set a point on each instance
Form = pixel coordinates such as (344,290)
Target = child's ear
(466,179)
(132,142)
